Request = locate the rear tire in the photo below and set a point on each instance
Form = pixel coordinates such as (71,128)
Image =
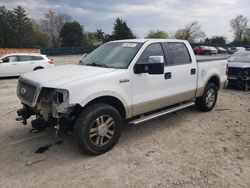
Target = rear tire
(208,100)
(98,128)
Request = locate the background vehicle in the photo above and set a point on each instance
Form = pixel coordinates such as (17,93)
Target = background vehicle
(232,50)
(19,63)
(221,50)
(213,50)
(239,69)
(202,50)
(127,80)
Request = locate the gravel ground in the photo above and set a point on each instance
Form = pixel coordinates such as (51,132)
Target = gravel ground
(184,149)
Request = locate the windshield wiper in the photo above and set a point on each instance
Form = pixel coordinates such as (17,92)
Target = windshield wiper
(97,64)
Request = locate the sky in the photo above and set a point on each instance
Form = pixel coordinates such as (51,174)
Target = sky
(143,15)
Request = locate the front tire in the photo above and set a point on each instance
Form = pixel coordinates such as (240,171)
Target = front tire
(208,100)
(98,128)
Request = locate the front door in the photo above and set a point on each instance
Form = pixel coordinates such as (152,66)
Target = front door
(26,63)
(9,66)
(150,92)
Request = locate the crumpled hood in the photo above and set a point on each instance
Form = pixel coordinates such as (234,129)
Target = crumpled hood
(239,64)
(61,75)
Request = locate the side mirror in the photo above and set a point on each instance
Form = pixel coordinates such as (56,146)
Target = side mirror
(155,59)
(80,62)
(155,65)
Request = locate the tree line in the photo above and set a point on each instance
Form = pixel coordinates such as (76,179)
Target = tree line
(17,30)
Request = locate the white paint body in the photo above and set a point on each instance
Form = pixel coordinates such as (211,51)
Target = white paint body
(85,83)
(16,68)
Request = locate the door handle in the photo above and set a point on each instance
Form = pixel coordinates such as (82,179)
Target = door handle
(32,62)
(14,63)
(193,71)
(167,75)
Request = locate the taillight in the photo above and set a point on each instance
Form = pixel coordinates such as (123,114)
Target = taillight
(50,62)
(227,69)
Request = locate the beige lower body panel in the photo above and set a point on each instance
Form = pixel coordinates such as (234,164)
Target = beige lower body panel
(162,102)
(201,90)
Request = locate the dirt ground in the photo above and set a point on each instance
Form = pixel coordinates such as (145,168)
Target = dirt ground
(184,149)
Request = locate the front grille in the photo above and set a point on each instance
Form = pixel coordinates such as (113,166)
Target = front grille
(26,92)
(234,71)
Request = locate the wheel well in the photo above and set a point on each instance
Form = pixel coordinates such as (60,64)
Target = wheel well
(116,103)
(215,80)
(36,68)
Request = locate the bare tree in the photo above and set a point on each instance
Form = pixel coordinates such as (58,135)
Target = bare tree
(239,25)
(191,32)
(52,25)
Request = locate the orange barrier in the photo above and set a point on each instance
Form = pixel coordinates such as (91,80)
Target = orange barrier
(19,50)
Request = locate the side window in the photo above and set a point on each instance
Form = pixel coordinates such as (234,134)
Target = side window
(152,50)
(9,59)
(25,58)
(179,53)
(37,58)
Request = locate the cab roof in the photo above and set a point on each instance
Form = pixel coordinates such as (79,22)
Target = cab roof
(149,40)
(31,54)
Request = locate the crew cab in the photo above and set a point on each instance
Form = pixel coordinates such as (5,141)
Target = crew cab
(129,81)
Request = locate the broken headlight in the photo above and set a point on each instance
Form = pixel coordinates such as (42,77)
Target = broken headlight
(60,102)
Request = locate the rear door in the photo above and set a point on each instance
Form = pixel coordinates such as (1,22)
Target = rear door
(184,71)
(27,63)
(9,66)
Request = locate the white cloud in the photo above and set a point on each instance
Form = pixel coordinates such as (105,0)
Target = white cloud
(144,15)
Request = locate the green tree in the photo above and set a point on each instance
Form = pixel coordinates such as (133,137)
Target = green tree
(72,34)
(246,36)
(219,40)
(22,28)
(121,30)
(19,31)
(157,34)
(99,35)
(15,28)
(6,28)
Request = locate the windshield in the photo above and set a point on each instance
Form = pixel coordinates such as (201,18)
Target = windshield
(112,55)
(240,57)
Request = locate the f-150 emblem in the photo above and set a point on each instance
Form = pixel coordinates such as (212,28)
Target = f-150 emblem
(23,91)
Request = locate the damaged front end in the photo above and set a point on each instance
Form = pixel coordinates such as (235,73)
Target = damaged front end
(50,106)
(239,77)
(52,103)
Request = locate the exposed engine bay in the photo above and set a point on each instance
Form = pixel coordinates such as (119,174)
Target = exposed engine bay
(51,109)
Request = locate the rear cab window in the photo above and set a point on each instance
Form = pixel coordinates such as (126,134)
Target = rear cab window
(179,53)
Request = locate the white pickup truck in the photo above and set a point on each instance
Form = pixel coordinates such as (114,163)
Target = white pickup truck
(121,81)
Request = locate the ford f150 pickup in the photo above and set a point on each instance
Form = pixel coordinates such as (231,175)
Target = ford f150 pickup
(129,81)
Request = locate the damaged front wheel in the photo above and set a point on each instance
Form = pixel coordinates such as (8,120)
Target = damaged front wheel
(98,128)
